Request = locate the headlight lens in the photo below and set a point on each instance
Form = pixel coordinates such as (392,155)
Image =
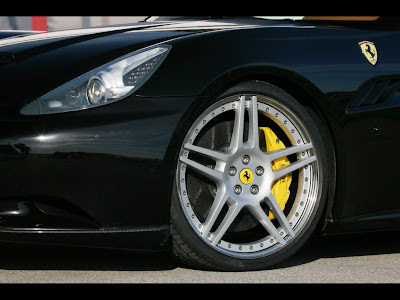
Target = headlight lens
(106,84)
(96,91)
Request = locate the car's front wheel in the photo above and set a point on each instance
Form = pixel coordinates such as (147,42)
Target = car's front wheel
(250,181)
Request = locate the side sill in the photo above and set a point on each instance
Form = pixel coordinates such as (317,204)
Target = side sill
(389,220)
(144,239)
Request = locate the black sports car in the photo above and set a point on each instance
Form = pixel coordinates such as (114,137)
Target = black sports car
(227,141)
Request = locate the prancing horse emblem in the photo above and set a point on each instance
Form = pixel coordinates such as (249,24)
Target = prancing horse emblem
(246,176)
(369,50)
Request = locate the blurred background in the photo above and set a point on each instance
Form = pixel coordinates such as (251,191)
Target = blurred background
(51,23)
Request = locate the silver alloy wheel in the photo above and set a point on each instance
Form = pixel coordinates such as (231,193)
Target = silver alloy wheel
(236,196)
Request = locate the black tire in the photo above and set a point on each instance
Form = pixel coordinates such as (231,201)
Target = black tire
(255,244)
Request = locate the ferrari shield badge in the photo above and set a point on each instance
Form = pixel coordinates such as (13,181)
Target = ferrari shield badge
(246,176)
(369,50)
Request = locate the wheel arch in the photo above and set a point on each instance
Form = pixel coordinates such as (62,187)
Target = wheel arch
(290,81)
(305,92)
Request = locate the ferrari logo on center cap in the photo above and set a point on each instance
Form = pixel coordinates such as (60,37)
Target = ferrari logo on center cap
(246,176)
(369,50)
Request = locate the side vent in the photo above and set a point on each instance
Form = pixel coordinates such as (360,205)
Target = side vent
(379,94)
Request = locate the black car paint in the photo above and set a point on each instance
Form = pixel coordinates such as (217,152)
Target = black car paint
(102,176)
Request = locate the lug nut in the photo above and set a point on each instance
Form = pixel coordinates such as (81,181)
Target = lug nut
(232,171)
(237,189)
(254,189)
(259,170)
(246,159)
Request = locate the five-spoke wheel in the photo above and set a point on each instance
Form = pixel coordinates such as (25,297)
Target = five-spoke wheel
(248,181)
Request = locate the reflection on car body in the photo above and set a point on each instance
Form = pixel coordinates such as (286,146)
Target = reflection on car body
(227,141)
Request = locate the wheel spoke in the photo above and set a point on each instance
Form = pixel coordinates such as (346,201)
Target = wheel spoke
(238,126)
(278,213)
(262,217)
(253,137)
(293,166)
(272,155)
(212,174)
(215,155)
(219,201)
(233,211)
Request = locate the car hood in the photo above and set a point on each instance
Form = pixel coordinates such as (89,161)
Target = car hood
(34,64)
(47,41)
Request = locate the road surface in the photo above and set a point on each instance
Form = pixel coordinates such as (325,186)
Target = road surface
(361,258)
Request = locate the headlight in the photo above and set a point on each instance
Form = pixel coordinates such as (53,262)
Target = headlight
(106,84)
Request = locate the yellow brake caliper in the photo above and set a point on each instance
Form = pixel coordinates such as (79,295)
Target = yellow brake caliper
(280,188)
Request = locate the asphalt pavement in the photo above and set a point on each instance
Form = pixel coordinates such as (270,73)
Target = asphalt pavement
(359,258)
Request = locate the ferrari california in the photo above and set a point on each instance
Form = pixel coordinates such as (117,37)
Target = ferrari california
(226,141)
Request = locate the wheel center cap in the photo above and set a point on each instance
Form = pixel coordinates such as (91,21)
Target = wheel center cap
(246,176)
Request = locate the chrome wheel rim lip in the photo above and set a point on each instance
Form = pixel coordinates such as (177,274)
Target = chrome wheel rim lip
(308,183)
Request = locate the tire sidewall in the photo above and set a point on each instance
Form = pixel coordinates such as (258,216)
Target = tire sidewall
(217,260)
